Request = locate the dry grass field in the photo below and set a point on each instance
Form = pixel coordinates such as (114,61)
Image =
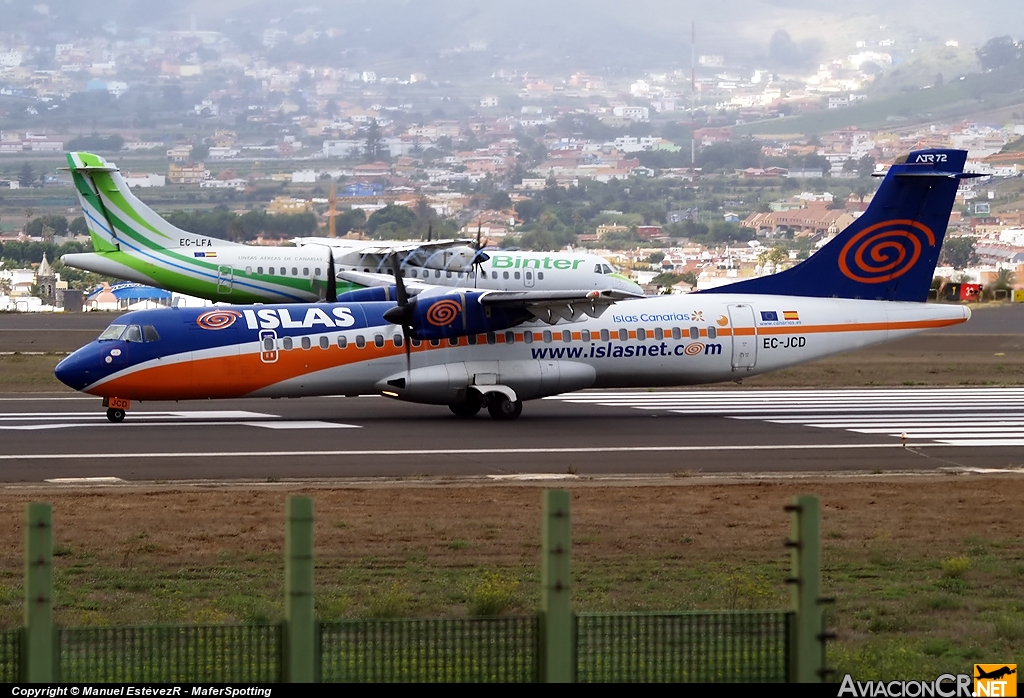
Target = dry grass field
(928,570)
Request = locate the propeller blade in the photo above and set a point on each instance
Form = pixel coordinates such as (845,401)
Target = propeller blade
(332,280)
(430,231)
(402,296)
(478,236)
(402,312)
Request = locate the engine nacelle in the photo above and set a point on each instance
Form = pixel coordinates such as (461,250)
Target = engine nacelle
(458,314)
(444,384)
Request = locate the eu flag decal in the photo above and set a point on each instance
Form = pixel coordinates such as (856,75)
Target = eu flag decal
(769,316)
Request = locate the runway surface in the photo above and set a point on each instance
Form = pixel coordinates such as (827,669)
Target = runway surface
(59,436)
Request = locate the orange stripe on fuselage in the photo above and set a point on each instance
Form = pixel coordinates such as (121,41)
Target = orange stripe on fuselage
(238,375)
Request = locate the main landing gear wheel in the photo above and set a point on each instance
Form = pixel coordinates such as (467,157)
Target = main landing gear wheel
(468,407)
(501,408)
(115,415)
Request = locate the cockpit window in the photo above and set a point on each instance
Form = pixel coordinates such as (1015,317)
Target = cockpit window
(132,334)
(597,269)
(112,332)
(150,333)
(607,269)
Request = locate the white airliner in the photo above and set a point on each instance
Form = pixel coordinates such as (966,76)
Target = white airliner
(130,241)
(469,348)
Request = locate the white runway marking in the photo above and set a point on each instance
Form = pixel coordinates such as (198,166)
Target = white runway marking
(949,416)
(37,421)
(451,452)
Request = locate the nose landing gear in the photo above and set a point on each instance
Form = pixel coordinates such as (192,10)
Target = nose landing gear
(116,408)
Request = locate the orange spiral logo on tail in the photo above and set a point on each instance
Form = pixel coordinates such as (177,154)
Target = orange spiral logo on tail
(884,251)
(443,313)
(218,319)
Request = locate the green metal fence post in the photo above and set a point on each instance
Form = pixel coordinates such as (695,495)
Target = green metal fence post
(807,656)
(557,632)
(300,617)
(38,649)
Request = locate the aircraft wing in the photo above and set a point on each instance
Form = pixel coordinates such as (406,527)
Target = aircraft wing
(552,306)
(370,279)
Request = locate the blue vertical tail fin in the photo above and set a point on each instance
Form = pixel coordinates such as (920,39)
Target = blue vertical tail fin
(890,251)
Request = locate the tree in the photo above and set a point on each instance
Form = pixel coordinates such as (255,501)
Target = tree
(998,52)
(78,226)
(656,257)
(959,252)
(27,175)
(1004,281)
(374,148)
(499,201)
(403,218)
(199,152)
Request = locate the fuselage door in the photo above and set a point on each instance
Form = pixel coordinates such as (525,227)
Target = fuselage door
(225,279)
(744,337)
(268,346)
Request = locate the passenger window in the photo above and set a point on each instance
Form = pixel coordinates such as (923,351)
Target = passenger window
(529,275)
(307,343)
(471,339)
(437,274)
(492,338)
(510,337)
(641,334)
(677,333)
(268,344)
(435,342)
(342,342)
(360,341)
(566,336)
(132,334)
(150,333)
(585,335)
(305,271)
(494,275)
(605,336)
(659,333)
(547,335)
(517,276)
(324,342)
(378,340)
(259,270)
(248,271)
(453,341)
(528,337)
(712,332)
(448,275)
(540,276)
(472,274)
(270,271)
(295,271)
(623,334)
(415,342)
(288,343)
(316,272)
(694,333)
(504,275)
(397,340)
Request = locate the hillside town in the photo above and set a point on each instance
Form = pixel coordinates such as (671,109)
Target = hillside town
(678,176)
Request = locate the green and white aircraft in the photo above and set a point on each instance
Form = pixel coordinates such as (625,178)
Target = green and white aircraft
(130,241)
